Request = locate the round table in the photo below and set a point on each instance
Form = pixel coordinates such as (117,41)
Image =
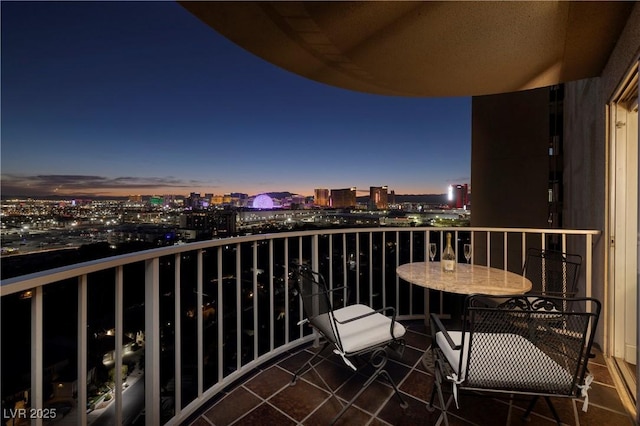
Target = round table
(467,279)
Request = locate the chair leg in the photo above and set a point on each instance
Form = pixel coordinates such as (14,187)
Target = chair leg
(304,367)
(532,404)
(553,409)
(378,360)
(438,386)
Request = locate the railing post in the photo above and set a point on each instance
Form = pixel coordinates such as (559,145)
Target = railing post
(238,306)
(286,289)
(397,286)
(370,269)
(271,297)
(384,272)
(152,342)
(588,266)
(357,256)
(177,334)
(315,259)
(506,250)
(199,321)
(119,313)
(254,285)
(410,261)
(36,396)
(82,350)
(220,314)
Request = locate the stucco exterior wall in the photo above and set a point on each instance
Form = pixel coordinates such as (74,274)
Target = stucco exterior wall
(585,146)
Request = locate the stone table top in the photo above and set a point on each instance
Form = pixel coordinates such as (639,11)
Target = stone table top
(466,279)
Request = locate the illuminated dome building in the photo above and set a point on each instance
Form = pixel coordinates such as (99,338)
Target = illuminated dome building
(263,201)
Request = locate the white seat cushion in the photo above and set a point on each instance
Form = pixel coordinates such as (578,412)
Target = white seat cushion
(504,361)
(357,335)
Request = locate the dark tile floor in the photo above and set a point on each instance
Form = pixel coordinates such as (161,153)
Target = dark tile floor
(267,398)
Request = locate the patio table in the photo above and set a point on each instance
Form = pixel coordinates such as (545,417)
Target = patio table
(466,279)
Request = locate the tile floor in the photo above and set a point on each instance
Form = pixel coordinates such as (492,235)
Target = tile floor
(267,398)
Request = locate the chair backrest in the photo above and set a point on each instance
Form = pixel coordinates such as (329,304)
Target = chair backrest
(316,301)
(552,273)
(524,344)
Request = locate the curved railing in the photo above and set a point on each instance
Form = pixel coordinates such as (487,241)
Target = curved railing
(248,313)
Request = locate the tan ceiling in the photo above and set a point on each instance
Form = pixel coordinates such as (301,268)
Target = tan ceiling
(449,48)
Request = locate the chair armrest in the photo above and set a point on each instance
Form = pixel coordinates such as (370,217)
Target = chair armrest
(437,326)
(329,290)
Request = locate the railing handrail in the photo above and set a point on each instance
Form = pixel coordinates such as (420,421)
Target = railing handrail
(41,278)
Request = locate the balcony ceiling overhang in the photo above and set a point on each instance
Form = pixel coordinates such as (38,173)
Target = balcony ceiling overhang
(429,48)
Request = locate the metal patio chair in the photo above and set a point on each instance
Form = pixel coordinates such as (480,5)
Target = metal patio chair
(357,332)
(517,345)
(552,273)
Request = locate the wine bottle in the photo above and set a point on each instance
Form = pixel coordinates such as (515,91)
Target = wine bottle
(448,259)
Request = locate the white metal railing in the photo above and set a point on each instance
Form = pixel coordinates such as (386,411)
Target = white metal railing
(250,316)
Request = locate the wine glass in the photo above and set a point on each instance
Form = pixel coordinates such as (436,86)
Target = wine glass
(432,251)
(467,252)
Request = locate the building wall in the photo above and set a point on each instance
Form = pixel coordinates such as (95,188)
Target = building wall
(343,198)
(509,159)
(585,133)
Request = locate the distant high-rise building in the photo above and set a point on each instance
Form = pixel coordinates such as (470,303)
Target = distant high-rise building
(206,200)
(209,224)
(321,198)
(193,201)
(135,198)
(458,196)
(169,199)
(239,199)
(378,197)
(343,198)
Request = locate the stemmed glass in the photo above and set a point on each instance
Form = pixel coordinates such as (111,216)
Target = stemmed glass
(432,251)
(467,252)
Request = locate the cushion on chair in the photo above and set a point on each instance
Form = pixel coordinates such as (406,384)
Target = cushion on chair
(505,361)
(369,331)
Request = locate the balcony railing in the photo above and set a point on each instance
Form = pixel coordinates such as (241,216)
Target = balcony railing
(247,311)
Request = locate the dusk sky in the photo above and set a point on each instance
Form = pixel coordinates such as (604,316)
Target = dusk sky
(117,98)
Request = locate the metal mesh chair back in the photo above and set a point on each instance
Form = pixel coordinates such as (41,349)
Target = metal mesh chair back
(525,345)
(552,273)
(316,301)
(313,292)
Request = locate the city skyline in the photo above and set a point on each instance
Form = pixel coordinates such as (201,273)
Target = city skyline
(115,99)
